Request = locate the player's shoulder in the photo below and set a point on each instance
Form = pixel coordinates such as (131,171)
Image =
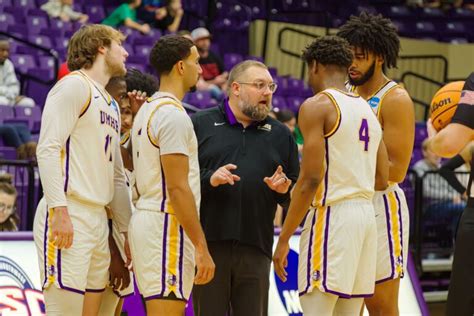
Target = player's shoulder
(397,94)
(210,114)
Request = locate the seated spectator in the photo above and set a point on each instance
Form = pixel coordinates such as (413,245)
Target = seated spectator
(288,118)
(9,85)
(166,18)
(442,202)
(63,10)
(126,14)
(18,136)
(214,78)
(9,218)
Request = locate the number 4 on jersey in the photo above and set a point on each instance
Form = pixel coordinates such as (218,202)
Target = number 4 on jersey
(364,134)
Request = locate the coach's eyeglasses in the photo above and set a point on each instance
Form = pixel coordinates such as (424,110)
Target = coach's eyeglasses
(261,86)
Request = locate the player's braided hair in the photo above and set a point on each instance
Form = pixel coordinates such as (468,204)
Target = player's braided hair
(329,50)
(373,33)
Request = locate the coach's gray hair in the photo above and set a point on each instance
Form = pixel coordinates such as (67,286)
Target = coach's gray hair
(240,68)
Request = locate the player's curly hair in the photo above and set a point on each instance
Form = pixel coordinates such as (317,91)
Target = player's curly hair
(373,33)
(329,50)
(85,43)
(139,81)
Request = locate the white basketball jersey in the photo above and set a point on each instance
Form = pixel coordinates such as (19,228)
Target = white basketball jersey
(375,101)
(351,151)
(88,158)
(162,126)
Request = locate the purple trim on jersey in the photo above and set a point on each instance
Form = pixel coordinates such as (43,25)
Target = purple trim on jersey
(181,248)
(95,290)
(308,269)
(45,248)
(348,296)
(325,249)
(66,181)
(389,229)
(326,176)
(163,186)
(164,297)
(229,114)
(61,285)
(401,227)
(163,258)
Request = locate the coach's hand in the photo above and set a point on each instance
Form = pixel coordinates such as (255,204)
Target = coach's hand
(224,175)
(280,259)
(279,182)
(61,228)
(205,266)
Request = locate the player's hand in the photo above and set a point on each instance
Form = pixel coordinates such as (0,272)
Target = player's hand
(279,182)
(119,274)
(205,267)
(280,260)
(61,228)
(430,129)
(128,253)
(137,98)
(224,175)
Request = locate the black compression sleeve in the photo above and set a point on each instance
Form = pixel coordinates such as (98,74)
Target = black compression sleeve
(447,172)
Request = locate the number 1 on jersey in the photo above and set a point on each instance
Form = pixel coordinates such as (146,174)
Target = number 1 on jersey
(364,134)
(108,145)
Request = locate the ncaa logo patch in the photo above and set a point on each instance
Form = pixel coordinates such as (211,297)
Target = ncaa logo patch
(374,102)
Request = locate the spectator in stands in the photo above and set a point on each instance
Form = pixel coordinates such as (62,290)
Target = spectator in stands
(18,136)
(434,186)
(166,16)
(9,218)
(440,199)
(442,4)
(287,117)
(63,70)
(9,85)
(63,10)
(214,78)
(126,14)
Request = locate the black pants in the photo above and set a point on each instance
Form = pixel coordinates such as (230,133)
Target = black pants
(461,286)
(240,285)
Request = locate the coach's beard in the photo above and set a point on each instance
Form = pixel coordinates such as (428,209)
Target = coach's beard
(255,112)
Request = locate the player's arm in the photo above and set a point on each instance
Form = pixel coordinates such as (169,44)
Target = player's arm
(382,169)
(312,121)
(173,130)
(121,203)
(64,104)
(398,121)
(451,140)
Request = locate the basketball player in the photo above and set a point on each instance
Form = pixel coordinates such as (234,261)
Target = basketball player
(81,172)
(338,242)
(376,45)
(166,237)
(448,142)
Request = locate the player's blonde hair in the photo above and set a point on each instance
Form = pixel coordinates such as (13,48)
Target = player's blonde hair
(85,43)
(240,68)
